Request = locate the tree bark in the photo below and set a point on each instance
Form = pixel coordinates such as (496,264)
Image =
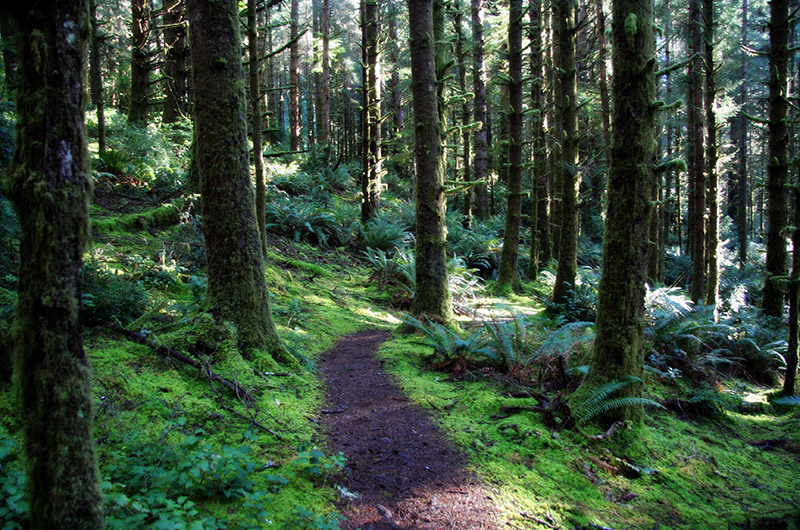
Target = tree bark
(777,165)
(257,125)
(175,67)
(508,274)
(294,78)
(325,110)
(790,379)
(96,79)
(49,183)
(465,115)
(712,232)
(697,181)
(431,295)
(540,231)
(140,61)
(371,179)
(742,191)
(480,162)
(567,118)
(618,350)
(237,286)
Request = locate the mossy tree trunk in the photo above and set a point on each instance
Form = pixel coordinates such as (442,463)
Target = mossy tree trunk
(175,67)
(694,150)
(540,231)
(237,285)
(618,351)
(778,165)
(257,125)
(371,150)
(508,274)
(712,228)
(566,105)
(141,68)
(480,162)
(431,295)
(49,184)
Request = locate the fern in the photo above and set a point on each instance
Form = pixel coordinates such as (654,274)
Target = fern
(600,402)
(449,345)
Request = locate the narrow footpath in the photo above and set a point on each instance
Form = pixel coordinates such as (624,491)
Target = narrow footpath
(401,471)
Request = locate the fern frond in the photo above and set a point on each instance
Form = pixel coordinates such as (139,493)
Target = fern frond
(586,414)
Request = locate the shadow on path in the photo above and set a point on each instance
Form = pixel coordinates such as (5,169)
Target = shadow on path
(404,472)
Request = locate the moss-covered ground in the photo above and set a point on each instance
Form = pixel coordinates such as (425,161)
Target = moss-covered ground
(218,459)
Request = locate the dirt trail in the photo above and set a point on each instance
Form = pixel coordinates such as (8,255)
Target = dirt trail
(406,475)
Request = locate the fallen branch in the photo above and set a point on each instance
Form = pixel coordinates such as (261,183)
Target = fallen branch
(166,351)
(614,428)
(253,422)
(530,517)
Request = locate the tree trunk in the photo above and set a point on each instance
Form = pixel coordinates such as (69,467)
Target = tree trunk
(256,125)
(140,61)
(294,79)
(602,82)
(461,58)
(742,191)
(371,180)
(540,231)
(567,117)
(508,275)
(325,110)
(175,66)
(431,295)
(96,79)
(712,233)
(480,162)
(618,346)
(237,286)
(697,181)
(778,165)
(790,380)
(49,182)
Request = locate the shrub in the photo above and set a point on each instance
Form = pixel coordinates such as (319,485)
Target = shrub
(302,221)
(107,296)
(382,233)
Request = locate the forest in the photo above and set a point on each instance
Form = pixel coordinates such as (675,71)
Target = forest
(379,265)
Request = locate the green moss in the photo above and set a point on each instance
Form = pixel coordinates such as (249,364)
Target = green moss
(161,217)
(677,474)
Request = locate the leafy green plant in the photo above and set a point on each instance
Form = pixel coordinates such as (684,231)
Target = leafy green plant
(107,296)
(386,270)
(382,233)
(157,486)
(600,402)
(302,221)
(514,342)
(581,302)
(14,506)
(450,349)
